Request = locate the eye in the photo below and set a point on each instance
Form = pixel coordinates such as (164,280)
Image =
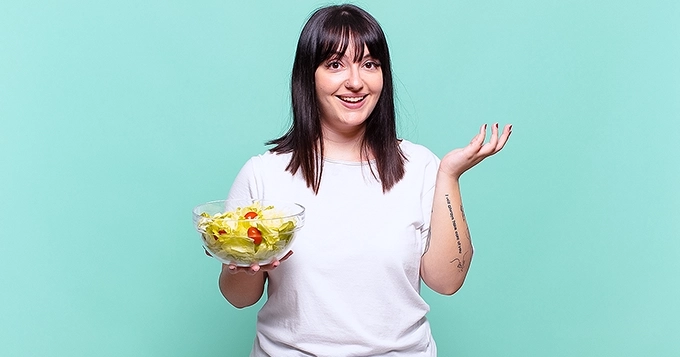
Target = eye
(333,65)
(371,65)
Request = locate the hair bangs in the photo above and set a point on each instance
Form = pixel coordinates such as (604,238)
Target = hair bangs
(345,28)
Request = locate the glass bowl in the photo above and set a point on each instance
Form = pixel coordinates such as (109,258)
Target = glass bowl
(247,232)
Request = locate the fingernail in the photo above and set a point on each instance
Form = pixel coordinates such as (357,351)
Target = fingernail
(510,128)
(495,125)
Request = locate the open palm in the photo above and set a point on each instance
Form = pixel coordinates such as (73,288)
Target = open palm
(456,162)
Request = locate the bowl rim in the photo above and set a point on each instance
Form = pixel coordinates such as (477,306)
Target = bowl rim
(301,213)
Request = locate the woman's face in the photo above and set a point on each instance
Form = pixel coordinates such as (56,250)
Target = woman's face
(347,91)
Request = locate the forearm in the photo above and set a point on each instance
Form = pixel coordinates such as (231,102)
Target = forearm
(447,260)
(241,289)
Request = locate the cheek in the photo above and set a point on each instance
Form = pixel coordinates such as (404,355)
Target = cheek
(377,89)
(322,94)
(377,84)
(322,87)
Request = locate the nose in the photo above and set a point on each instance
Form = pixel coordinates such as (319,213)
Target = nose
(354,81)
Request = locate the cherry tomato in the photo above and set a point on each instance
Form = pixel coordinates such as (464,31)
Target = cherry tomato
(219,233)
(250,215)
(255,235)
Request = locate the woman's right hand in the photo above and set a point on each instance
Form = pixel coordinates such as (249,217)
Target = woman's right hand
(254,269)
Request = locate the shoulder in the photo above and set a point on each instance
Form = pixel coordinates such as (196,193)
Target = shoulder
(258,172)
(268,160)
(269,165)
(416,153)
(421,164)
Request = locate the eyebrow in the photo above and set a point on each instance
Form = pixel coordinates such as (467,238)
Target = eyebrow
(336,55)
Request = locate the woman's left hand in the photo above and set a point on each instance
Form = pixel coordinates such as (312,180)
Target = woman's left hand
(456,162)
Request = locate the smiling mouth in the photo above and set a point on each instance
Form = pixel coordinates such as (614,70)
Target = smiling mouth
(352,99)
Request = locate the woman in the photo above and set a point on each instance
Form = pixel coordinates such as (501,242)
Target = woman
(381,213)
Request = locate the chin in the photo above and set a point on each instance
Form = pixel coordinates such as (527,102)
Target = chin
(354,122)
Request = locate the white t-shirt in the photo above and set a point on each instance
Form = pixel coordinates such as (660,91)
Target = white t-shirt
(352,286)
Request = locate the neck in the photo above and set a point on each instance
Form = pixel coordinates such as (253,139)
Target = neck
(343,145)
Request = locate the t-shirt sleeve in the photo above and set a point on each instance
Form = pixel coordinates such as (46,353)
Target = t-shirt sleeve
(247,183)
(429,179)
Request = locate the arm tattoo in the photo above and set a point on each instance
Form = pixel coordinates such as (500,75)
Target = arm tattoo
(467,228)
(455,226)
(461,263)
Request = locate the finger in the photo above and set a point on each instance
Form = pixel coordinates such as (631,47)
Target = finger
(290,252)
(233,269)
(270,266)
(490,147)
(476,143)
(478,140)
(276,262)
(507,130)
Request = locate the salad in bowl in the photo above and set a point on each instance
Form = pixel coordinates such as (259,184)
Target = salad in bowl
(247,232)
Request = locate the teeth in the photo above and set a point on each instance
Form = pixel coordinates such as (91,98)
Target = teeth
(352,99)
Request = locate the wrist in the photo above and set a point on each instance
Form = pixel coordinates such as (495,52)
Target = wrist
(448,176)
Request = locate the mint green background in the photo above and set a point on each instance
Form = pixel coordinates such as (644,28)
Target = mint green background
(117,117)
